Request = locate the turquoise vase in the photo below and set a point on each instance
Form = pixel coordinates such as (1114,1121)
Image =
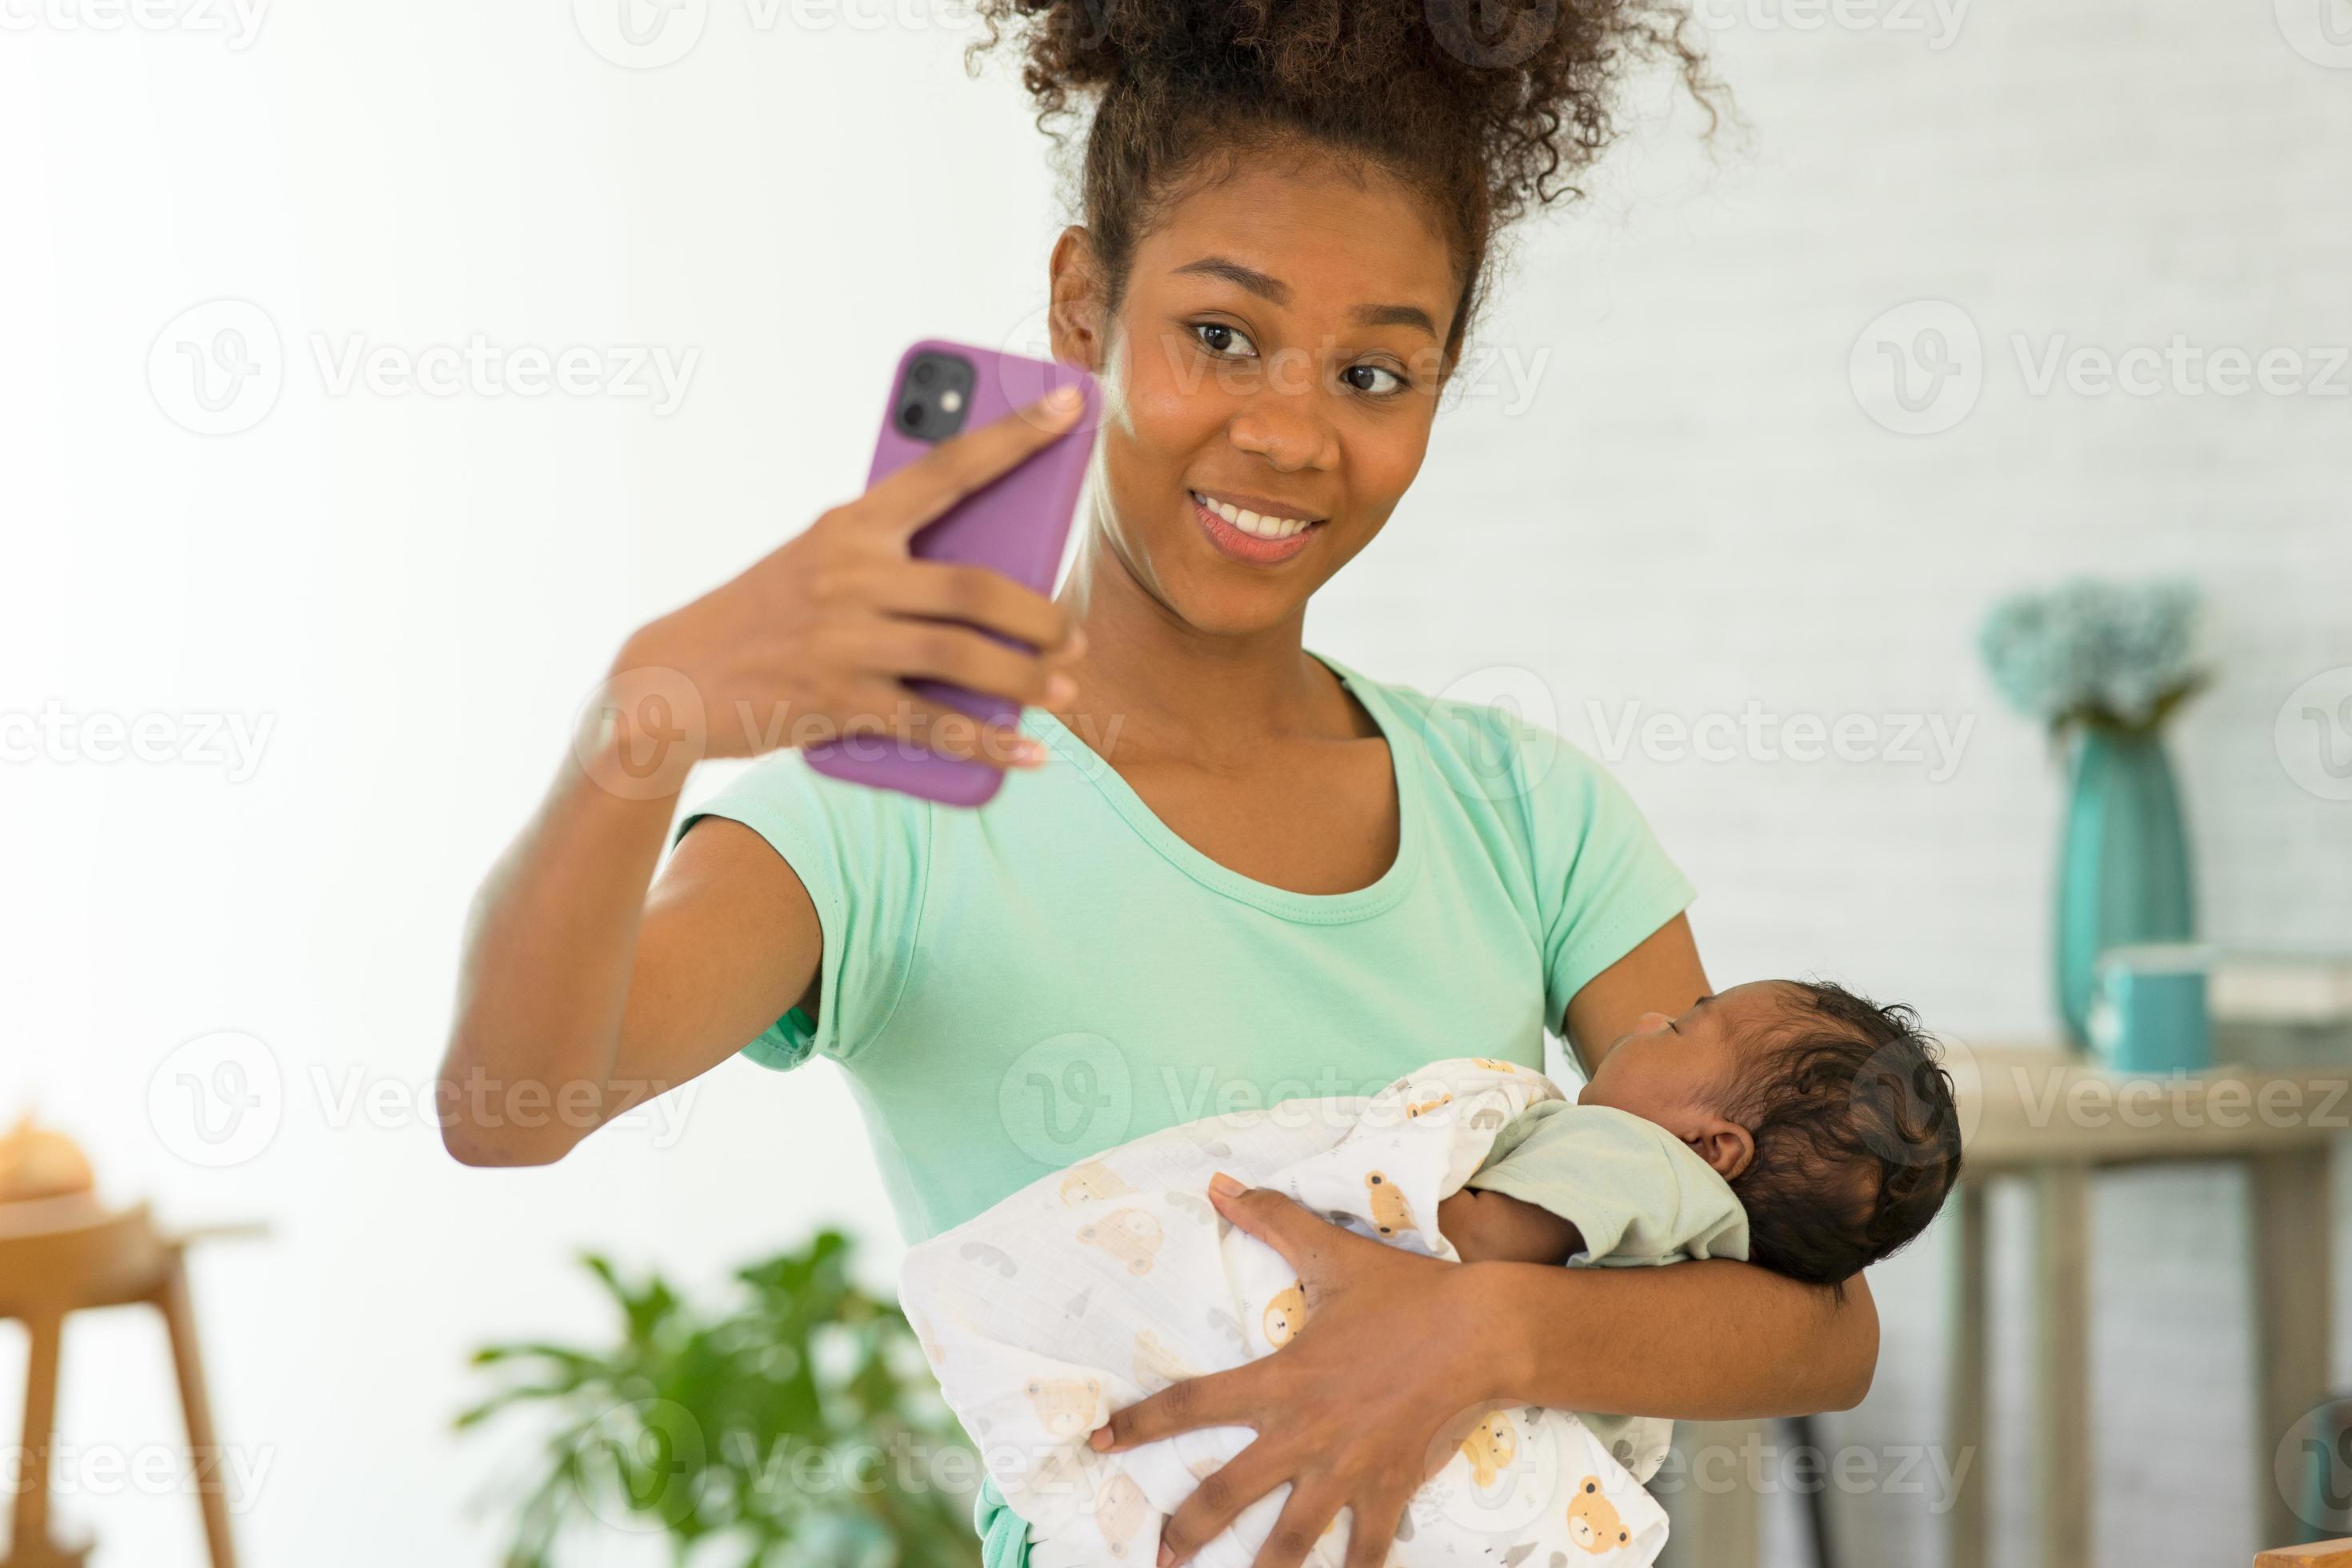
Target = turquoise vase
(2123,873)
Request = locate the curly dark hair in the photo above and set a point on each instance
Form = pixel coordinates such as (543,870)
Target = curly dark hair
(1857,1136)
(1484,108)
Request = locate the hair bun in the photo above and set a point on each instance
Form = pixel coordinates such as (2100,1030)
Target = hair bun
(1488,105)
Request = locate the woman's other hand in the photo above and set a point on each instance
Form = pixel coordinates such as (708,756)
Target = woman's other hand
(1345,1428)
(812,641)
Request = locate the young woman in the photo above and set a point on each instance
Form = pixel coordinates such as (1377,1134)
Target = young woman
(1225,869)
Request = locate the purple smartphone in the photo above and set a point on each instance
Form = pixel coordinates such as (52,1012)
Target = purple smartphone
(1017,524)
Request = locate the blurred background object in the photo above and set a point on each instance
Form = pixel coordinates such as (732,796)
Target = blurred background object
(2284,1009)
(2149,1008)
(795,1424)
(38,1162)
(61,1252)
(2104,665)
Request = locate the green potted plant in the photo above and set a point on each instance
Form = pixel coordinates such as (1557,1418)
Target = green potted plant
(794,1424)
(2105,665)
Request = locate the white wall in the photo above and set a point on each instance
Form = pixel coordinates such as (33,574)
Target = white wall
(1691,511)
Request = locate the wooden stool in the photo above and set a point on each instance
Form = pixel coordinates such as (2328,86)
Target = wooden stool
(2318,1554)
(65,1255)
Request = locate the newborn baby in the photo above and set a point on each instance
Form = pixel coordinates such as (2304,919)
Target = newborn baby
(1791,1124)
(1827,1118)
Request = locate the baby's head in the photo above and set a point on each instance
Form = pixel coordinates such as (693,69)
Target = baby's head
(1830,1116)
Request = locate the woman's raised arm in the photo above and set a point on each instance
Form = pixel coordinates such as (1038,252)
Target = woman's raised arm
(582,994)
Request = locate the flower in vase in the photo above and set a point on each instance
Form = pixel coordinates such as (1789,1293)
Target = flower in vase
(2108,655)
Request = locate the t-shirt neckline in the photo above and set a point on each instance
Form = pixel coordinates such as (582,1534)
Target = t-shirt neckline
(1305,908)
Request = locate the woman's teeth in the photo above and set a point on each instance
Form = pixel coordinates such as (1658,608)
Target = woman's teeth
(1251,523)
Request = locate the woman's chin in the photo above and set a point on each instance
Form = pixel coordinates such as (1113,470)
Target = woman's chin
(1230,610)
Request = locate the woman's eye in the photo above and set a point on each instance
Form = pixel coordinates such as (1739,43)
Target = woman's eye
(1365,378)
(1219,337)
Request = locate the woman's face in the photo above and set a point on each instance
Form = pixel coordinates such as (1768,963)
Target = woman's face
(1275,362)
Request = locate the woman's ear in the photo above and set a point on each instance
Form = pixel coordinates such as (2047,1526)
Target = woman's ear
(1074,314)
(1726,1146)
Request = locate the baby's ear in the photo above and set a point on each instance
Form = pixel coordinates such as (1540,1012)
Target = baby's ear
(1726,1147)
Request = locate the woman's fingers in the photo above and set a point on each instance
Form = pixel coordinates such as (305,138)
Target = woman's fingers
(1305,1515)
(925,488)
(938,650)
(817,639)
(1217,1399)
(1372,1529)
(1304,1239)
(986,598)
(1218,1500)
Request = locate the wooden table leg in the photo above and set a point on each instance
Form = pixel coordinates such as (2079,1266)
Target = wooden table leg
(1965,1375)
(2288,1265)
(211,1466)
(29,1545)
(2061,1364)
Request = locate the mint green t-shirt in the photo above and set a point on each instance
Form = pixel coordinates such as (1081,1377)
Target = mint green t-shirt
(1013,988)
(1016,987)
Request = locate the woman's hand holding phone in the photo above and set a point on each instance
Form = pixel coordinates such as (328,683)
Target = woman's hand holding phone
(813,641)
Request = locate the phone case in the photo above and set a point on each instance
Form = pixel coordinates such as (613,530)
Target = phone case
(1017,524)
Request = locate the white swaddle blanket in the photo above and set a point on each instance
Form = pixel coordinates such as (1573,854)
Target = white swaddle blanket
(1093,1287)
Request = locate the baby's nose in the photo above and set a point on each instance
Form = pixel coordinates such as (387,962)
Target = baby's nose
(1652,1023)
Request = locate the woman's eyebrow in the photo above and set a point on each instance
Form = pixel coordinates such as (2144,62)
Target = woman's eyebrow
(1248,277)
(1277,291)
(1394,316)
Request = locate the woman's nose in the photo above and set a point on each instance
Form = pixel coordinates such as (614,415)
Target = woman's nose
(1285,429)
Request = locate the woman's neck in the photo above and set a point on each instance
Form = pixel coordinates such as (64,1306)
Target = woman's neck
(1152,685)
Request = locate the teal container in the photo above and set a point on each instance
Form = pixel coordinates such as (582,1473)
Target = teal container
(2150,1014)
(2123,871)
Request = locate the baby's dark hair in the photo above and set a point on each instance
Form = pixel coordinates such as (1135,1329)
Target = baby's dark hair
(1857,1134)
(1484,108)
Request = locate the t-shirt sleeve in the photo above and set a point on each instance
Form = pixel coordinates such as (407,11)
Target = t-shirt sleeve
(862,854)
(1603,883)
(1634,1191)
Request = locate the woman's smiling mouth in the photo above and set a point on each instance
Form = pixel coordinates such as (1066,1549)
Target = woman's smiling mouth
(1252,528)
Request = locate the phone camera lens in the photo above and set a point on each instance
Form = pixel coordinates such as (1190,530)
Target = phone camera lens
(925,373)
(911,416)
